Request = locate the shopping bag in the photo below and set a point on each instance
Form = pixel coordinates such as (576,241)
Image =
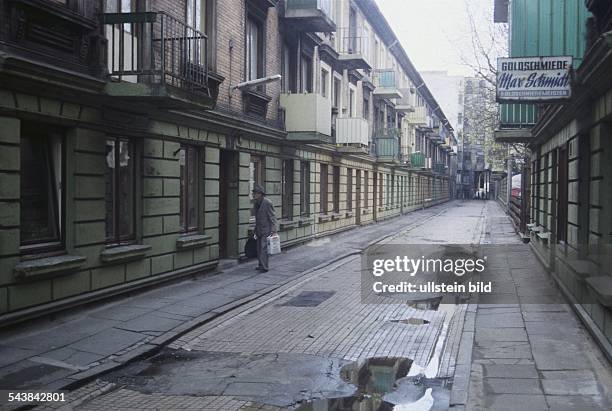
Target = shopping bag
(250,248)
(274,246)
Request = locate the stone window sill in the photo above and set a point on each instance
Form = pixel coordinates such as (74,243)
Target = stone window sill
(287,224)
(323,218)
(56,265)
(543,236)
(304,221)
(349,214)
(365,211)
(336,216)
(192,241)
(124,253)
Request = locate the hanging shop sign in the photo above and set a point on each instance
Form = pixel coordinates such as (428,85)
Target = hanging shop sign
(533,79)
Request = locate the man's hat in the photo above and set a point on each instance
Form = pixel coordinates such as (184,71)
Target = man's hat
(258,189)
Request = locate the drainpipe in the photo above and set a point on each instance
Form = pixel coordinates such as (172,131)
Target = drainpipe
(509,182)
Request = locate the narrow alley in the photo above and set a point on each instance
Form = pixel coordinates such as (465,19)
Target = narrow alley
(311,343)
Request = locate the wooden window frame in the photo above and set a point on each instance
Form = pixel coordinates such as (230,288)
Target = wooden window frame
(118,239)
(304,188)
(57,243)
(184,189)
(323,188)
(287,188)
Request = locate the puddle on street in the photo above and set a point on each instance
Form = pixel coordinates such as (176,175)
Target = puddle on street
(374,378)
(426,305)
(383,384)
(412,321)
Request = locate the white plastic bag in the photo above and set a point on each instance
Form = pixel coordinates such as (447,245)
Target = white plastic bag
(274,246)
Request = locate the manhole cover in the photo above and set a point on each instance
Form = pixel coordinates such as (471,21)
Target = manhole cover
(309,298)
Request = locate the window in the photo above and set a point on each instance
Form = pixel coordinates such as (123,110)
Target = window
(306,74)
(323,178)
(366,189)
(393,188)
(349,189)
(199,16)
(254,49)
(285,69)
(287,188)
(188,161)
(366,104)
(256,172)
(351,103)
(121,6)
(337,97)
(41,188)
(119,190)
(336,189)
(380,189)
(304,188)
(324,82)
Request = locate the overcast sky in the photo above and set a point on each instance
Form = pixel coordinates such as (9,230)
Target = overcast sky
(436,33)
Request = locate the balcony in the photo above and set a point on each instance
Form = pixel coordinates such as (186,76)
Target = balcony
(418,117)
(153,57)
(385,82)
(404,104)
(352,49)
(386,143)
(309,15)
(439,168)
(417,160)
(307,117)
(352,134)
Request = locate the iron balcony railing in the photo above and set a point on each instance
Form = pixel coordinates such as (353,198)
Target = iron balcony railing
(386,142)
(417,160)
(323,5)
(352,42)
(154,47)
(385,78)
(439,168)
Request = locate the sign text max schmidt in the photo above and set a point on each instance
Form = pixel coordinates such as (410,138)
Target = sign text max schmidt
(529,79)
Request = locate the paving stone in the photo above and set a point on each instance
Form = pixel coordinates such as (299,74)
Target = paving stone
(507,385)
(513,402)
(554,354)
(578,402)
(500,334)
(576,382)
(108,342)
(150,322)
(120,312)
(510,371)
(511,320)
(497,349)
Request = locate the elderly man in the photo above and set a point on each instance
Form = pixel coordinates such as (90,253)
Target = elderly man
(265,225)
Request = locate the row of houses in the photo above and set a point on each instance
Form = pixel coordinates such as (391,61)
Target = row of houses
(566,205)
(132,132)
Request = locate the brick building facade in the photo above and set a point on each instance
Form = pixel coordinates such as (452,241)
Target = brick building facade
(129,141)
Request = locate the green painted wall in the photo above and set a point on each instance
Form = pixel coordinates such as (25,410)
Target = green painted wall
(543,28)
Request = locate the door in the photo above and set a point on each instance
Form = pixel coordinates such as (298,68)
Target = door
(358,197)
(562,196)
(228,204)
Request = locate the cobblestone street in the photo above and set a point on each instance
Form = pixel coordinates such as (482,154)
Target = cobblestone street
(298,346)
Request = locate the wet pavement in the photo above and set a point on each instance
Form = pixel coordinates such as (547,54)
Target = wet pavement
(311,344)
